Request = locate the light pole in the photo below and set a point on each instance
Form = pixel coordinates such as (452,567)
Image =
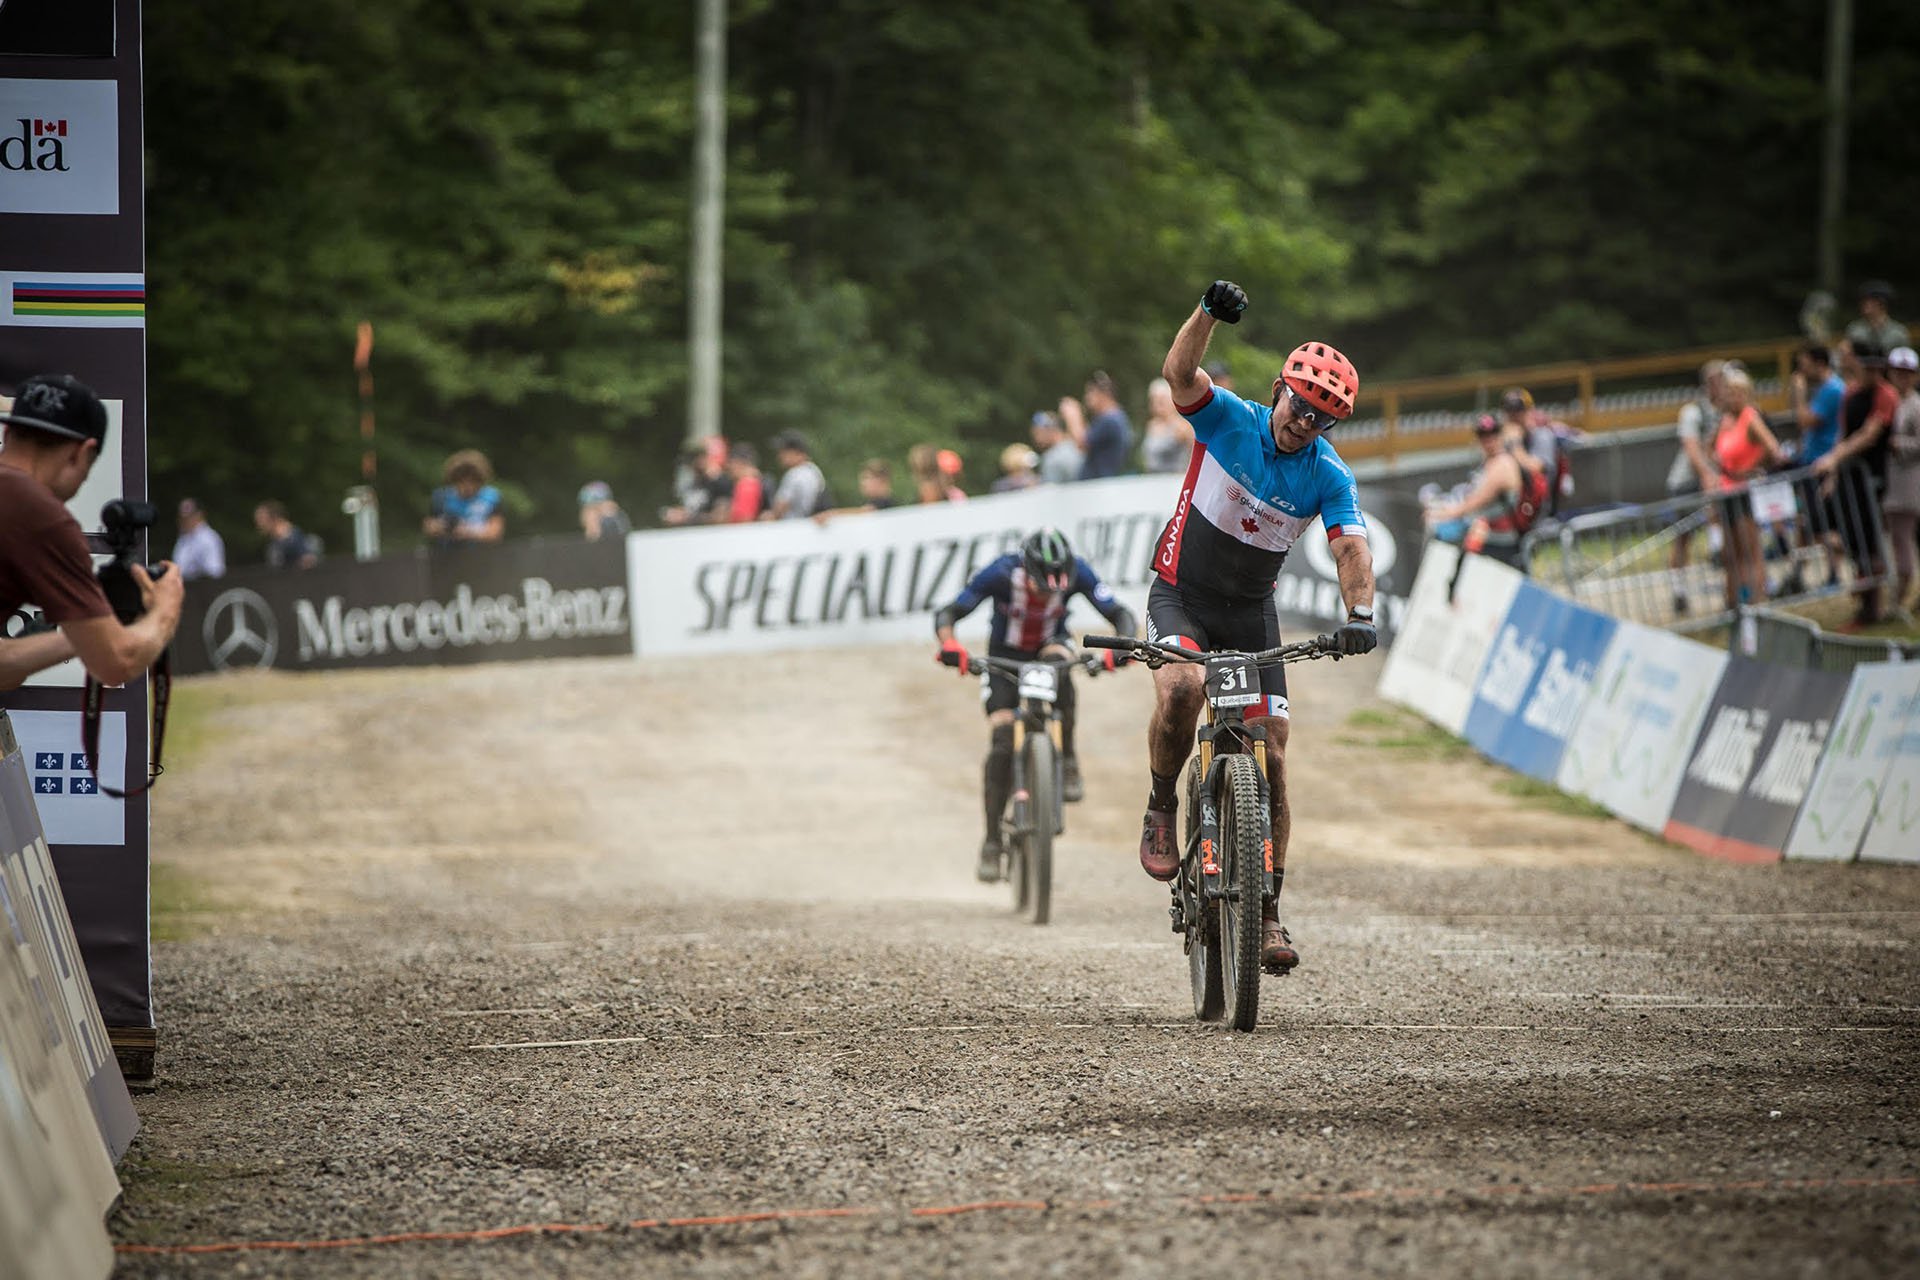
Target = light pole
(709,204)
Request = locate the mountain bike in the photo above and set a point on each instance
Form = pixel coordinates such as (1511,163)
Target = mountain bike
(1035,814)
(1226,865)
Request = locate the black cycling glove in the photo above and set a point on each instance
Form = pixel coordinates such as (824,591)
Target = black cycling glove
(1356,637)
(1224,301)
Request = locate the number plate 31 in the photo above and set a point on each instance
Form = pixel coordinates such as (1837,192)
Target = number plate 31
(1232,682)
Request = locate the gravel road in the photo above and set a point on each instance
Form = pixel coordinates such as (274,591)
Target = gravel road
(614,945)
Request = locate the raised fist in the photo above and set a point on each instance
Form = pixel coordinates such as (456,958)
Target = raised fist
(1224,301)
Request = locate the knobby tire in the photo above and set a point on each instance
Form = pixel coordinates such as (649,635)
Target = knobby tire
(1240,922)
(1043,801)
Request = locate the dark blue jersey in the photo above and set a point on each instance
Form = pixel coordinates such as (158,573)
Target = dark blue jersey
(1026,615)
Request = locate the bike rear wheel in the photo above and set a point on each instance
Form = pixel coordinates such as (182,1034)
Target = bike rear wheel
(1203,926)
(1244,867)
(1043,800)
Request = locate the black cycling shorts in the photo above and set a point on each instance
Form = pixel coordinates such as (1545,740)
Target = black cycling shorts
(1000,691)
(1173,617)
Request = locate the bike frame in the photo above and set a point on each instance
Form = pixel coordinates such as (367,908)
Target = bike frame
(1033,715)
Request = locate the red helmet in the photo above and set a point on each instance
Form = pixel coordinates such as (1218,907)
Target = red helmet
(1322,377)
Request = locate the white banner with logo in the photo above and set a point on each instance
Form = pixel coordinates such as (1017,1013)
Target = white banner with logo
(1436,657)
(1893,835)
(878,577)
(1647,702)
(59,146)
(1882,708)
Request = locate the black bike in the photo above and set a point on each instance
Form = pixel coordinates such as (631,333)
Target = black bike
(1226,865)
(1036,813)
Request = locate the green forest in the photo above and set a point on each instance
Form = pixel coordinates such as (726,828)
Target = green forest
(941,216)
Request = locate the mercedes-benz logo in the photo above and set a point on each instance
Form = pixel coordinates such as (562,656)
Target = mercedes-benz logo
(239,631)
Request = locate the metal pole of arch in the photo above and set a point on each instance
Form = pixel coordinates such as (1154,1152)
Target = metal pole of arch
(709,206)
(1833,167)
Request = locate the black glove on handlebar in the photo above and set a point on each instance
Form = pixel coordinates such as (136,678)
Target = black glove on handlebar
(1355,638)
(1224,301)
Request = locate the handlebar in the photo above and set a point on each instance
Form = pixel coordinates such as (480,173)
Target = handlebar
(1155,654)
(977,663)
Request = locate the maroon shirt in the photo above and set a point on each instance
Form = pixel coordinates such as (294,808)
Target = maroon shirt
(43,554)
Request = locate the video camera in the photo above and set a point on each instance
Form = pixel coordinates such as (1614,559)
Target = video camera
(123,523)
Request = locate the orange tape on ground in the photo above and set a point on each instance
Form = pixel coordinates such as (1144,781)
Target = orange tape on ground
(1278,1199)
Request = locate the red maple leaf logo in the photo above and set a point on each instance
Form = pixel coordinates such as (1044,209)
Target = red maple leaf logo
(1250,525)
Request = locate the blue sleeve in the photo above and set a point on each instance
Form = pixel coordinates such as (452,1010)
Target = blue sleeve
(994,582)
(1339,498)
(1826,401)
(488,502)
(1220,409)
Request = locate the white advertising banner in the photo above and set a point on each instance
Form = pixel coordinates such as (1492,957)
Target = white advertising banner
(1439,650)
(1893,835)
(878,577)
(1882,706)
(59,146)
(1642,715)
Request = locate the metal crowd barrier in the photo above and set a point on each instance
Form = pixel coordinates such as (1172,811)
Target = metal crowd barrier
(1788,639)
(1666,564)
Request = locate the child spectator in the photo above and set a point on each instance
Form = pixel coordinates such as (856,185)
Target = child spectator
(467,507)
(1017,463)
(600,516)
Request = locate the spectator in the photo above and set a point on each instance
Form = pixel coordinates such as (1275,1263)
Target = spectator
(703,484)
(198,550)
(1865,419)
(1503,500)
(1692,470)
(1060,458)
(803,490)
(600,516)
(1106,437)
(876,491)
(1542,436)
(288,546)
(1902,504)
(1743,448)
(54,430)
(466,508)
(747,499)
(1875,328)
(1166,445)
(1222,376)
(1816,394)
(932,468)
(1017,470)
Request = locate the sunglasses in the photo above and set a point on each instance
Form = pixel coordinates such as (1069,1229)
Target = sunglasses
(1315,419)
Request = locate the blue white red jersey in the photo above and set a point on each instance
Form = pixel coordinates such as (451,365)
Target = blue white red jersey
(1027,616)
(1244,502)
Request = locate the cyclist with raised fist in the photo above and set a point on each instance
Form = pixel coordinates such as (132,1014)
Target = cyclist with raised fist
(1030,590)
(1259,476)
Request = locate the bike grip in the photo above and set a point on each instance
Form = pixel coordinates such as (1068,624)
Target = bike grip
(951,657)
(1108,642)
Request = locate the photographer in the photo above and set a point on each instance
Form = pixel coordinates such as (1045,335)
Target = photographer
(54,432)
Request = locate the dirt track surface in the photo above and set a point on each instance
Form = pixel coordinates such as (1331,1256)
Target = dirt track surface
(1520,1044)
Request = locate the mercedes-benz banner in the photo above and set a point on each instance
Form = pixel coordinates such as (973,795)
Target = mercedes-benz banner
(536,599)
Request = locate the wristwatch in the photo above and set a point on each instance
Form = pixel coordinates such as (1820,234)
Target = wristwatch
(1360,613)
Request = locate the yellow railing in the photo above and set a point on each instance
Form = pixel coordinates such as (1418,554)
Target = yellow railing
(1581,383)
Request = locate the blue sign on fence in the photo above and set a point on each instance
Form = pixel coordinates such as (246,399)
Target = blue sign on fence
(1536,679)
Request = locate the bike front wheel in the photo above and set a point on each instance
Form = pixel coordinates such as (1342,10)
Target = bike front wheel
(1202,925)
(1042,803)
(1243,861)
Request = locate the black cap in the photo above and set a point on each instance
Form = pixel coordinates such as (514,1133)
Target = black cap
(1877,289)
(60,405)
(790,440)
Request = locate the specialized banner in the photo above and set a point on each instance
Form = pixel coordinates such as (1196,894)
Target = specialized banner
(1882,707)
(1754,760)
(73,300)
(35,923)
(1443,642)
(1633,741)
(1534,685)
(543,598)
(872,578)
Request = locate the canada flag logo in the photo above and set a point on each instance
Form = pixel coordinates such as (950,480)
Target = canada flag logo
(37,146)
(1250,524)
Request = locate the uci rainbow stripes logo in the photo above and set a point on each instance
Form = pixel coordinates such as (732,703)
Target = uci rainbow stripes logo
(51,298)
